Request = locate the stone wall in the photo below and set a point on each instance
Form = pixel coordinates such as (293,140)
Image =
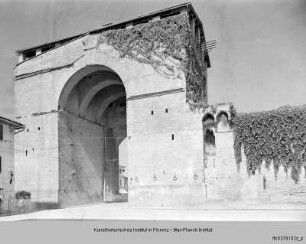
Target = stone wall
(228,188)
(165,152)
(176,163)
(36,157)
(80,160)
(7,182)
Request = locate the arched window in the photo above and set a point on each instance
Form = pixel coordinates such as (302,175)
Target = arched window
(222,121)
(208,116)
(209,144)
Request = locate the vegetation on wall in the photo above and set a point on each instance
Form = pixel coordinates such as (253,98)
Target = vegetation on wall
(167,46)
(276,136)
(209,117)
(232,114)
(208,124)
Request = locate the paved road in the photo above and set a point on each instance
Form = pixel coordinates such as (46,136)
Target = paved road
(123,211)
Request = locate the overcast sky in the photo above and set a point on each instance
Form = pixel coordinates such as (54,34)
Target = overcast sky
(259,62)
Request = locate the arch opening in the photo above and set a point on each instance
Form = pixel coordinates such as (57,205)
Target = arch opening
(209,144)
(91,128)
(222,122)
(209,140)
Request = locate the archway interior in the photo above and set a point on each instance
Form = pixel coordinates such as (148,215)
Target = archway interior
(92,132)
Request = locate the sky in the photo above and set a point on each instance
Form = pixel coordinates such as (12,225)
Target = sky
(259,63)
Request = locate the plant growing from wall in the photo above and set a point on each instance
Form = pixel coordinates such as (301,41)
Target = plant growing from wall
(167,46)
(232,113)
(208,124)
(277,136)
(213,109)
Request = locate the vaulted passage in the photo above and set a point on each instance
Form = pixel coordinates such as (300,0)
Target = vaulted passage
(92,131)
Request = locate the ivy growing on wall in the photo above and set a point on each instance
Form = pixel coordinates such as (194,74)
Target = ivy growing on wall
(232,113)
(167,46)
(276,136)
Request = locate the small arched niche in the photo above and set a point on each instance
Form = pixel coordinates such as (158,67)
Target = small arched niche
(222,122)
(209,143)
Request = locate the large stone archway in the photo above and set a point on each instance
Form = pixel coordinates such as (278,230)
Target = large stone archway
(78,103)
(91,125)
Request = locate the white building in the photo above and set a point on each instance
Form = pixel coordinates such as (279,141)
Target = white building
(7,168)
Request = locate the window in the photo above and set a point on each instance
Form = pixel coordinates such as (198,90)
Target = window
(30,54)
(44,49)
(1,132)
